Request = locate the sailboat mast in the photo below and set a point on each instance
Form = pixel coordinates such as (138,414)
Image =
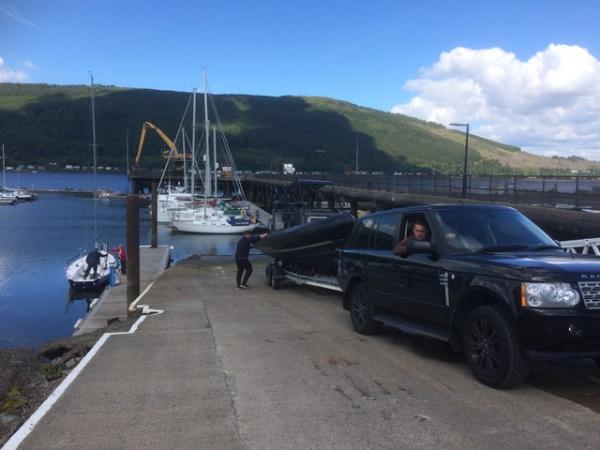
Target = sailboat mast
(185,180)
(207,156)
(215,159)
(3,168)
(127,150)
(193,141)
(94,160)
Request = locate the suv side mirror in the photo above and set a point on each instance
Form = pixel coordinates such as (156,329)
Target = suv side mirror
(414,246)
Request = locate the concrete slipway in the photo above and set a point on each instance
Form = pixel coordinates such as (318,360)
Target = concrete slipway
(223,368)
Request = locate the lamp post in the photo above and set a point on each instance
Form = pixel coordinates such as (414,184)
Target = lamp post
(464,180)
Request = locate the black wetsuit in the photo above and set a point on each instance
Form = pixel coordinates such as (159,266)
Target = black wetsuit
(242,252)
(92,260)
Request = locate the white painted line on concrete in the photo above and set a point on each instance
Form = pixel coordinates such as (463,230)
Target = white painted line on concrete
(17,438)
(145,309)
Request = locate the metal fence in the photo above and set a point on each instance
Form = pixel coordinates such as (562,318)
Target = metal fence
(555,191)
(584,246)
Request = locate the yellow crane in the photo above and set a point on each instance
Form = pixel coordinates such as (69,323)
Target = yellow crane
(172,152)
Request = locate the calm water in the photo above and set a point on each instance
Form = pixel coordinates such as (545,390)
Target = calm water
(38,239)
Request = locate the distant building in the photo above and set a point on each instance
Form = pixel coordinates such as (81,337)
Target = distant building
(289,169)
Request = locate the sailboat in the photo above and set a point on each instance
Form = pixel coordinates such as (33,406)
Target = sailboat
(10,195)
(76,269)
(7,197)
(209,218)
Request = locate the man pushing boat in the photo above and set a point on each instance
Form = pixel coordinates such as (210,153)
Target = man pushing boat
(242,254)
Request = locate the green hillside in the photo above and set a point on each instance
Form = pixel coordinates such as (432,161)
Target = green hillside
(42,123)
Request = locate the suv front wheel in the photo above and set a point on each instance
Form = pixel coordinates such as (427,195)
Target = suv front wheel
(492,349)
(362,311)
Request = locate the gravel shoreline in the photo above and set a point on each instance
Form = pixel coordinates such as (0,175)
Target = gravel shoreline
(28,377)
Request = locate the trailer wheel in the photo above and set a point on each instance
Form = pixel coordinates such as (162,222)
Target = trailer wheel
(269,275)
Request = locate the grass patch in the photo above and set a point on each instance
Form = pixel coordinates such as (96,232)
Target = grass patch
(13,401)
(51,372)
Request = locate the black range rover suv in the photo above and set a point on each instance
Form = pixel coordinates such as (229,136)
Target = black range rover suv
(486,279)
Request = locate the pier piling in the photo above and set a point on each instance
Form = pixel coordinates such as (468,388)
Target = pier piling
(154,238)
(133,249)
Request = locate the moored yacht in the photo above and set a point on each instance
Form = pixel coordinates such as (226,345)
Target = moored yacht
(211,220)
(212,215)
(7,198)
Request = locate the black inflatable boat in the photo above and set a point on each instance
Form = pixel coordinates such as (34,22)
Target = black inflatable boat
(311,246)
(308,225)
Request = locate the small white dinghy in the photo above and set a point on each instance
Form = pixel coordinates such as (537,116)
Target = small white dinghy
(75,272)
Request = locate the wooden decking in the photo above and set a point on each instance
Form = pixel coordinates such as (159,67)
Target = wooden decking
(112,305)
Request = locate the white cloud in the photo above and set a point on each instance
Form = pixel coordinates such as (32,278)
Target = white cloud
(11,11)
(549,104)
(8,75)
(29,64)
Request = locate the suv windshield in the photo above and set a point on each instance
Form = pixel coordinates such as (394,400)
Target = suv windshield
(491,229)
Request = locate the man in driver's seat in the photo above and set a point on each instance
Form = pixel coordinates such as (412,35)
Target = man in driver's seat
(419,233)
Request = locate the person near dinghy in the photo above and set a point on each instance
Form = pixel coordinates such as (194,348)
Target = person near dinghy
(120,251)
(93,260)
(242,261)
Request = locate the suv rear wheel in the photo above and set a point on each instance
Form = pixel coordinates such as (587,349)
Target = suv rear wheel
(492,349)
(362,311)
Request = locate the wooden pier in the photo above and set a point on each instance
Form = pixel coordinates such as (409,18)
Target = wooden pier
(112,304)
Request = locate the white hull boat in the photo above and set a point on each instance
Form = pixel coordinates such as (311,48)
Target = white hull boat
(23,195)
(76,270)
(211,220)
(7,199)
(201,227)
(168,202)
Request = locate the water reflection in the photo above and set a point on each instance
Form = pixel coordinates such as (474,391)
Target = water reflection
(83,297)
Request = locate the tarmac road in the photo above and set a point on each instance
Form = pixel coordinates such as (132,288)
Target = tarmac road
(261,369)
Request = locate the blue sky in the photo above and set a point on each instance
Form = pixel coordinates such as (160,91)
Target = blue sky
(386,55)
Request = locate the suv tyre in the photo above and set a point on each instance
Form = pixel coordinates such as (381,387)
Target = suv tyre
(362,311)
(492,349)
